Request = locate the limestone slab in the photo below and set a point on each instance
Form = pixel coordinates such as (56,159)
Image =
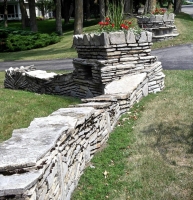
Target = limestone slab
(125,85)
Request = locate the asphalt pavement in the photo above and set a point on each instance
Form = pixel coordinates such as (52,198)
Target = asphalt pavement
(176,57)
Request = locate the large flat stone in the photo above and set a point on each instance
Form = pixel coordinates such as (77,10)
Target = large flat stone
(41,74)
(18,183)
(125,85)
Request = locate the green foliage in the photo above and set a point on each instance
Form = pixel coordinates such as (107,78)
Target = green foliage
(19,40)
(19,108)
(45,6)
(116,13)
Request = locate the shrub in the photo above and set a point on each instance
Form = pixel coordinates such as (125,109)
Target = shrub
(19,40)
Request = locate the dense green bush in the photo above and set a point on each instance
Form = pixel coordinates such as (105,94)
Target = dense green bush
(19,40)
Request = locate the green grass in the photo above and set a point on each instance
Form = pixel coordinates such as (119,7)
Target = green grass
(149,154)
(61,50)
(19,108)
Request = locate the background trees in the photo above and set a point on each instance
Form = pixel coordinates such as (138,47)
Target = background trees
(82,10)
(33,22)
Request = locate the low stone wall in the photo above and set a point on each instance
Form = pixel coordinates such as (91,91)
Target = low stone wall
(46,160)
(161,26)
(102,59)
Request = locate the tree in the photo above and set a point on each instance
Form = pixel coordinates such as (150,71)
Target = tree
(177,6)
(107,7)
(78,20)
(24,16)
(170,4)
(45,6)
(102,10)
(33,22)
(67,9)
(128,6)
(87,9)
(5,13)
(58,17)
(150,6)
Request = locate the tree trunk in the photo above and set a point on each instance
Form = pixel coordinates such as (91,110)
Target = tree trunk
(33,22)
(102,10)
(24,17)
(177,6)
(78,21)
(58,17)
(160,3)
(127,6)
(150,6)
(107,7)
(153,5)
(170,4)
(65,9)
(5,13)
(87,9)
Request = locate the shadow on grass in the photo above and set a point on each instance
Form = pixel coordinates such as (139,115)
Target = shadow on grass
(174,142)
(184,16)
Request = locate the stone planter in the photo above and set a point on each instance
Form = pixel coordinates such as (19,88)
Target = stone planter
(161,26)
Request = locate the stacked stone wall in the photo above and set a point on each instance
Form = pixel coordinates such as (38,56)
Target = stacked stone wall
(162,26)
(46,160)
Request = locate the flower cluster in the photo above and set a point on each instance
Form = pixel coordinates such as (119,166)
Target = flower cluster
(160,11)
(108,26)
(125,25)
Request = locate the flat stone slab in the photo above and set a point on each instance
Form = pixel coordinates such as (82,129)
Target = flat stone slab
(99,105)
(41,74)
(125,85)
(18,183)
(28,145)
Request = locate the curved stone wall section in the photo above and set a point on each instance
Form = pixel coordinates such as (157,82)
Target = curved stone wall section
(161,26)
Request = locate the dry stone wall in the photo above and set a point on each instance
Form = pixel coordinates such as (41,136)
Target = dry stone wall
(162,26)
(46,160)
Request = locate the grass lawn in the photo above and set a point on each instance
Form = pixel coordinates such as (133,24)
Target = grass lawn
(19,108)
(149,154)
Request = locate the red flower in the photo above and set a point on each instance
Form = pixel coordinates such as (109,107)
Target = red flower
(113,25)
(107,19)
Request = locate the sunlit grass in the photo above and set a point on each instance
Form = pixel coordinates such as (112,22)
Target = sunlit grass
(149,155)
(19,108)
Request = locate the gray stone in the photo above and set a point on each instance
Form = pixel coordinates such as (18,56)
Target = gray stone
(86,39)
(41,74)
(97,40)
(171,16)
(104,39)
(117,37)
(18,183)
(143,37)
(158,18)
(125,85)
(149,36)
(130,37)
